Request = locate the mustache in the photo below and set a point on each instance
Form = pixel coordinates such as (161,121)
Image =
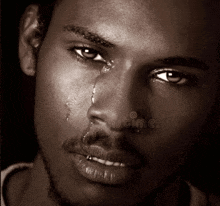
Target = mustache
(99,137)
(105,146)
(107,141)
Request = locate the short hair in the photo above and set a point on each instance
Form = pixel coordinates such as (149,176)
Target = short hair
(46,8)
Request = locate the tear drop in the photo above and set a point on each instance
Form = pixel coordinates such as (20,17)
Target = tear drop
(105,69)
(93,93)
(68,109)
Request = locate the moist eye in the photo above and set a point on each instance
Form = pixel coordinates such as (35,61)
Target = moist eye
(88,54)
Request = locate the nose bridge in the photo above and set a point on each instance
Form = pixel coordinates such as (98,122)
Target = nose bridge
(112,99)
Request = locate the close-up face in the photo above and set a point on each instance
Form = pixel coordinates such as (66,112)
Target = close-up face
(123,89)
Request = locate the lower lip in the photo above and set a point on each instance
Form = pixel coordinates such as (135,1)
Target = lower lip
(101,173)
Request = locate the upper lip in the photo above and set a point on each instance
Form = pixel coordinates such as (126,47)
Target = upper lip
(114,153)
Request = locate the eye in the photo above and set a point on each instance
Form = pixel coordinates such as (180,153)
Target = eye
(172,77)
(89,53)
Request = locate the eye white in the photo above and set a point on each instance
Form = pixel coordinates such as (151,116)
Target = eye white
(99,58)
(163,76)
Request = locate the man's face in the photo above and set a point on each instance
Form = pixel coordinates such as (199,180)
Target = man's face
(122,90)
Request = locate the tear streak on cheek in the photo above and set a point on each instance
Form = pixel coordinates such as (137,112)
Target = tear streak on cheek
(70,103)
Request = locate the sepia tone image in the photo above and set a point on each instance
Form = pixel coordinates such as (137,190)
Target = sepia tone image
(110,103)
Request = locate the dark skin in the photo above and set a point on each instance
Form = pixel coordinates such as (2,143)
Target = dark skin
(159,69)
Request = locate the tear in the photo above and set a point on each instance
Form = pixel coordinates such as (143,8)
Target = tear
(68,107)
(105,69)
(88,130)
(109,65)
(92,102)
(93,94)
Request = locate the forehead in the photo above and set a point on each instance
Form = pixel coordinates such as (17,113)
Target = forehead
(178,25)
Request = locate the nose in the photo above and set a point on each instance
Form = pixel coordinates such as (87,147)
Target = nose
(113,104)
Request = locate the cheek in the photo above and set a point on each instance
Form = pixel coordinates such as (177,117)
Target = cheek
(181,109)
(178,118)
(63,96)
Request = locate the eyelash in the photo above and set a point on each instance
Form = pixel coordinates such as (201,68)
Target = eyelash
(181,78)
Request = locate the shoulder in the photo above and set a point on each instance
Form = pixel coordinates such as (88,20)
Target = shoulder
(7,175)
(199,198)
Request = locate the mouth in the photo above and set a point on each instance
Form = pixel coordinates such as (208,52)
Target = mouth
(103,171)
(112,166)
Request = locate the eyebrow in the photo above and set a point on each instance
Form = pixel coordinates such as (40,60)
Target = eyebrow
(86,34)
(170,61)
(183,61)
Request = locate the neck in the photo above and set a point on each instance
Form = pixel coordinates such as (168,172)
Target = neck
(173,194)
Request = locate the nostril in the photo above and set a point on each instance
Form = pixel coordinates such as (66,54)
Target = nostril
(95,119)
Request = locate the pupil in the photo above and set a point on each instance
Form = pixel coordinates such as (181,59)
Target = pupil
(89,53)
(173,77)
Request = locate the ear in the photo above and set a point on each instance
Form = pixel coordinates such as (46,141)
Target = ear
(29,40)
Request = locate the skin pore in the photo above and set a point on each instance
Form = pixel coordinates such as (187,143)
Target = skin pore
(162,68)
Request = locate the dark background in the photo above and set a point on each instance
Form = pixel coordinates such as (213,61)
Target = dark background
(17,133)
(18,142)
